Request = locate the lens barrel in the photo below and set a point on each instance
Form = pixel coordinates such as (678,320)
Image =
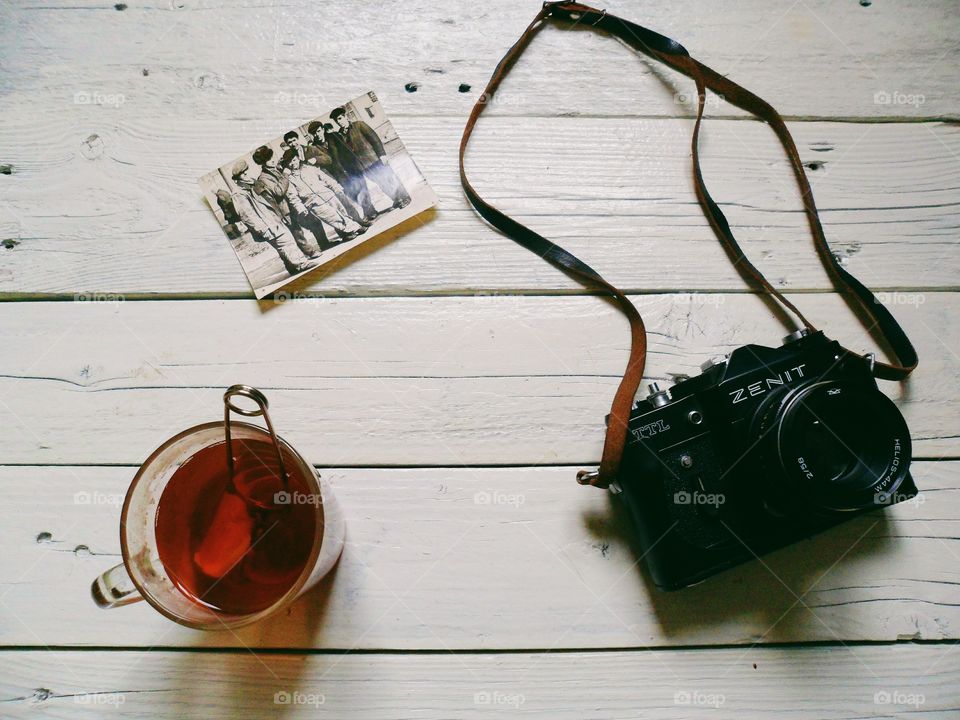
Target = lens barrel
(834,445)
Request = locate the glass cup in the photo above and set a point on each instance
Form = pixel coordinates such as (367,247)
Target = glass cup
(142,575)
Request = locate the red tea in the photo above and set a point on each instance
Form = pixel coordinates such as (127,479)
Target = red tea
(239,546)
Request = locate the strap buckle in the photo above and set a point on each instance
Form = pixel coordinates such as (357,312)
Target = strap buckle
(590,477)
(587,477)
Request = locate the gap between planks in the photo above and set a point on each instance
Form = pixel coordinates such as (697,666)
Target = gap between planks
(474,651)
(464,293)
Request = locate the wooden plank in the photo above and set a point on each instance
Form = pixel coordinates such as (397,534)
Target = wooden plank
(822,682)
(130,220)
(519,558)
(372,381)
(810,59)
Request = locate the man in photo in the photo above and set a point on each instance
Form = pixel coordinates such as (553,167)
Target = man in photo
(233,224)
(318,153)
(371,157)
(314,195)
(272,185)
(262,220)
(353,181)
(292,139)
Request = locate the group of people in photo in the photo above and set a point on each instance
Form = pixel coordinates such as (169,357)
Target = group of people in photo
(315,192)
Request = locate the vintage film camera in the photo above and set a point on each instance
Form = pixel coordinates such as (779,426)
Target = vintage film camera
(767,446)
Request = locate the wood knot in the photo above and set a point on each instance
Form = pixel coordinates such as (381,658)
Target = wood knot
(92,146)
(208,81)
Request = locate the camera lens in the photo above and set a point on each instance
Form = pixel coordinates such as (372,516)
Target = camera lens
(834,445)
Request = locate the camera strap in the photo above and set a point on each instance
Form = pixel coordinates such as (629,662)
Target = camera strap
(674,55)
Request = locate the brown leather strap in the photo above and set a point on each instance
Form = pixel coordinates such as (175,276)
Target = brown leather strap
(674,55)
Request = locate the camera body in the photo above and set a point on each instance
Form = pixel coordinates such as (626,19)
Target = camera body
(765,447)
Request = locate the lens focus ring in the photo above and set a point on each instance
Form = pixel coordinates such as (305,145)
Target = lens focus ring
(832,445)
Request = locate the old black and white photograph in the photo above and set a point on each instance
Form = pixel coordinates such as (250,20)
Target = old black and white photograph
(305,198)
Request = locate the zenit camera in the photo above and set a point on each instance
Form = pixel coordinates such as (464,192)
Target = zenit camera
(767,446)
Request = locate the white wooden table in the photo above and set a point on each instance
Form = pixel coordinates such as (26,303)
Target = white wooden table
(448,365)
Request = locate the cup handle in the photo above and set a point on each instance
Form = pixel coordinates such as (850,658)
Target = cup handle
(114,588)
